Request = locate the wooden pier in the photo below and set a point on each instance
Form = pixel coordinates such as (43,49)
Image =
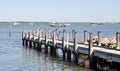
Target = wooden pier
(36,38)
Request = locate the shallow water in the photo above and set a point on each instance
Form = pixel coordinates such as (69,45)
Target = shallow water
(15,57)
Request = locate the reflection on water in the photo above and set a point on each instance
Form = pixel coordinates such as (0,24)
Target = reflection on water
(15,57)
(38,61)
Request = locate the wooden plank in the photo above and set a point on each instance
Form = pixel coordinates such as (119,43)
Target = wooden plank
(116,58)
(103,55)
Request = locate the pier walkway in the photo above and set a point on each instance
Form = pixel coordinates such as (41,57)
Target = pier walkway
(36,39)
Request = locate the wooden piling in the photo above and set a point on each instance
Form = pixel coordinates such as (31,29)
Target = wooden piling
(26,37)
(51,47)
(69,52)
(46,41)
(91,50)
(30,42)
(39,36)
(73,31)
(64,39)
(54,43)
(37,31)
(23,36)
(48,33)
(51,50)
(118,40)
(57,34)
(76,57)
(75,41)
(64,43)
(69,55)
(85,36)
(34,39)
(75,48)
(99,38)
(39,40)
(64,56)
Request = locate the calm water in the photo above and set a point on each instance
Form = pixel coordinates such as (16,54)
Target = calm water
(15,57)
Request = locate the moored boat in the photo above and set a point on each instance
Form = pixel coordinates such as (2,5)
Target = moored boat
(31,23)
(15,23)
(55,24)
(96,23)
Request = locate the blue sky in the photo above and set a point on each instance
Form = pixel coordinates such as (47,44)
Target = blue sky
(60,10)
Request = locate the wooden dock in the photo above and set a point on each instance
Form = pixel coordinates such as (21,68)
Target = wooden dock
(35,39)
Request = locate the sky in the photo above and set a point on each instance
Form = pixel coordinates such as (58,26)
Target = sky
(60,10)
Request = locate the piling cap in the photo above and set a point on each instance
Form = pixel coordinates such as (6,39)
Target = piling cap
(75,32)
(64,30)
(99,31)
(85,31)
(117,32)
(91,33)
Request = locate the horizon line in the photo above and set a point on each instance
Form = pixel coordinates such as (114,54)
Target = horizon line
(57,21)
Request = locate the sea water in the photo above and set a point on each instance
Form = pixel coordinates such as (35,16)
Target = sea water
(15,57)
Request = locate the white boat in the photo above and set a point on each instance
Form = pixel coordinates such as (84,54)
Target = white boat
(66,25)
(15,23)
(31,23)
(55,24)
(94,24)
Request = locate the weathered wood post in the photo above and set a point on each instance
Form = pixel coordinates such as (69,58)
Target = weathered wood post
(51,47)
(46,42)
(75,41)
(37,31)
(64,43)
(91,63)
(99,38)
(54,43)
(85,36)
(69,52)
(69,55)
(75,48)
(73,31)
(39,40)
(57,34)
(26,37)
(34,36)
(48,33)
(23,36)
(118,40)
(30,42)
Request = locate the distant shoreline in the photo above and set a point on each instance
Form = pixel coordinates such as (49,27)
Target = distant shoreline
(23,22)
(5,22)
